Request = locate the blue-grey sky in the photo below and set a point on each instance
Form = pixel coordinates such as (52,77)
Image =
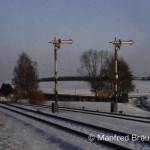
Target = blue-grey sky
(28,26)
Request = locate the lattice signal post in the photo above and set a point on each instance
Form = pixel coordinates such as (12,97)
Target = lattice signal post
(57,43)
(117,44)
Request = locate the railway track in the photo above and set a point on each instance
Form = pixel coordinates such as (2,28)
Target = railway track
(105,114)
(77,127)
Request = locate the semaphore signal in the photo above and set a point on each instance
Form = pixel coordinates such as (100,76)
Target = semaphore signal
(117,44)
(57,44)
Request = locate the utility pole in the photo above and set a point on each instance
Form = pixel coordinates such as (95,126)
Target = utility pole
(117,44)
(57,44)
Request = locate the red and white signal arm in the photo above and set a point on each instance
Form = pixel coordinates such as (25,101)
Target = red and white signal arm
(59,41)
(130,42)
(66,41)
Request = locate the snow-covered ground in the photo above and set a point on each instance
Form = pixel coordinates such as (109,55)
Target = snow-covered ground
(83,88)
(22,133)
(128,108)
(19,132)
(67,87)
(141,86)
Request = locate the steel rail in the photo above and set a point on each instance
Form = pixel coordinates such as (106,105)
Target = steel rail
(106,114)
(107,143)
(81,123)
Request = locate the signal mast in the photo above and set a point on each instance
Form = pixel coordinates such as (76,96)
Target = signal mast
(57,43)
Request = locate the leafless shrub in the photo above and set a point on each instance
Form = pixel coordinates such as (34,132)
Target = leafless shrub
(36,98)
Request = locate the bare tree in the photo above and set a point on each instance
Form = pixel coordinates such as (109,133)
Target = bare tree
(25,74)
(93,65)
(99,67)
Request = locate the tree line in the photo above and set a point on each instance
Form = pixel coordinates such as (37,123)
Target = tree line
(97,67)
